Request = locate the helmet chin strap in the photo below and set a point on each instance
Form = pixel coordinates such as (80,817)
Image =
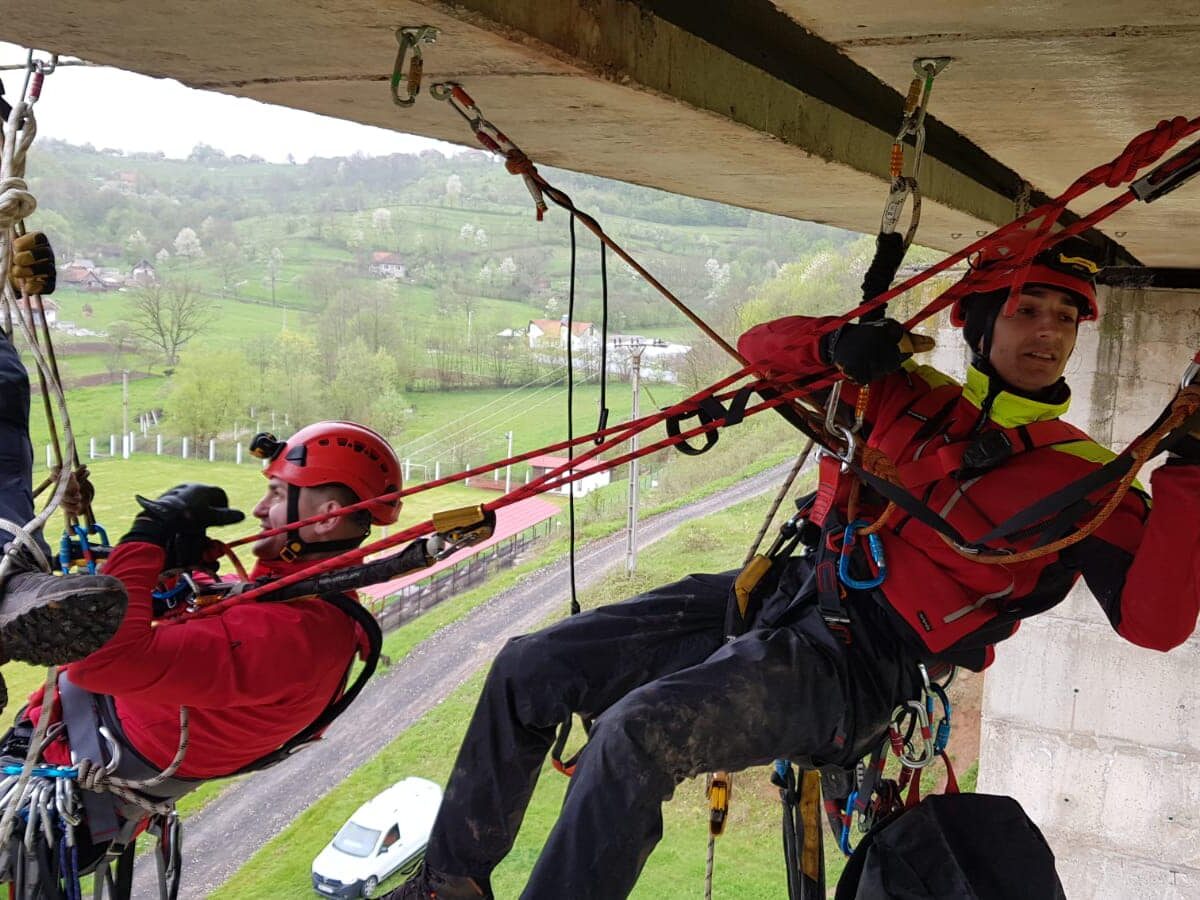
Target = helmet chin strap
(294,546)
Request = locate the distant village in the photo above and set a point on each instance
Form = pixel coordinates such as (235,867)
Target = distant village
(658,360)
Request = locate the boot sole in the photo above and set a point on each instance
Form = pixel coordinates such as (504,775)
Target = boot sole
(65,630)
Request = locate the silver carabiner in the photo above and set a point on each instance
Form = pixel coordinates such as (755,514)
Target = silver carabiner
(410,38)
(917,709)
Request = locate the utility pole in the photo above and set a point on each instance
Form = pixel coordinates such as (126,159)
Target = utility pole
(508,466)
(636,348)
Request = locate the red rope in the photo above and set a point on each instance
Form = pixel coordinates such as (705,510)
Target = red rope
(1142,151)
(623,432)
(557,477)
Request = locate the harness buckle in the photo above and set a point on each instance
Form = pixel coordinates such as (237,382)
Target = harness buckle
(987,451)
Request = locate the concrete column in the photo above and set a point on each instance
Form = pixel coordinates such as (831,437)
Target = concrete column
(112,446)
(158,445)
(185,448)
(124,446)
(91,448)
(239,453)
(1098,739)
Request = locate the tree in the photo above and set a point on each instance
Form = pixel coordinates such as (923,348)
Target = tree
(227,256)
(121,342)
(169,314)
(209,392)
(187,244)
(454,189)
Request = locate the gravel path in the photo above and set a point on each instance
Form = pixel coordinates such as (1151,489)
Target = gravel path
(220,838)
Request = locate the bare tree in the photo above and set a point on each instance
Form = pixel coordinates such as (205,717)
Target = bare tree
(168,315)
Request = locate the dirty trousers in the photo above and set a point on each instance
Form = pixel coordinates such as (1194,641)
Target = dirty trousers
(672,699)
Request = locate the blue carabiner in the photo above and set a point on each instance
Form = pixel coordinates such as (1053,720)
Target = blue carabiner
(942,737)
(97,528)
(85,548)
(847,821)
(64,553)
(849,541)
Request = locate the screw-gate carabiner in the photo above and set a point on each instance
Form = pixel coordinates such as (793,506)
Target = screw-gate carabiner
(942,738)
(410,38)
(849,542)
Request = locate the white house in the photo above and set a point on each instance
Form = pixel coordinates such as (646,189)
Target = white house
(540,465)
(387,265)
(543,332)
(48,305)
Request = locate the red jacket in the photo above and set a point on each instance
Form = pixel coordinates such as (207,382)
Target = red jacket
(251,677)
(1143,567)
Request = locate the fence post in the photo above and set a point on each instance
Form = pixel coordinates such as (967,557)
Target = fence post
(158,445)
(91,448)
(112,446)
(407,470)
(49,457)
(212,449)
(124,446)
(437,470)
(239,453)
(185,448)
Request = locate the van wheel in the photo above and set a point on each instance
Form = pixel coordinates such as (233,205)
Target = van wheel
(369,886)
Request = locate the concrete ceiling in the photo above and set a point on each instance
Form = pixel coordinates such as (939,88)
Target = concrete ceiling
(785,106)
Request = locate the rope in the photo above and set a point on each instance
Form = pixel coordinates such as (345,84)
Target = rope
(16,136)
(94,777)
(775,504)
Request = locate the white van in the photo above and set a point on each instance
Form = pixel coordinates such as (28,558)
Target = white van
(385,835)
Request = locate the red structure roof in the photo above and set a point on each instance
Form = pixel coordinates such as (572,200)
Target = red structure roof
(545,461)
(510,520)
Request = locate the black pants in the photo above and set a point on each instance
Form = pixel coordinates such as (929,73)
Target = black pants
(16,453)
(673,699)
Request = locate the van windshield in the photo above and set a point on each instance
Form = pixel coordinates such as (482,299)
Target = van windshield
(355,840)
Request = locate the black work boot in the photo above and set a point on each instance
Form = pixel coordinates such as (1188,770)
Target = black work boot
(430,885)
(52,619)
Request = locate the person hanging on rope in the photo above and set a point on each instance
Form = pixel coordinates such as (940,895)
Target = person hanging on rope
(810,663)
(44,618)
(258,679)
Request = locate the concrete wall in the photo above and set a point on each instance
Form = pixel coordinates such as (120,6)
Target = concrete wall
(1098,739)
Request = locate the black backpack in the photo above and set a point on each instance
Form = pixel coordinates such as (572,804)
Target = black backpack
(953,847)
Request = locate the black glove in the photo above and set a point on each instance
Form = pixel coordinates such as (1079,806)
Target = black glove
(865,352)
(177,520)
(32,266)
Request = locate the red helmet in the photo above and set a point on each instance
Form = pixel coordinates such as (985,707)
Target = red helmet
(336,453)
(1070,265)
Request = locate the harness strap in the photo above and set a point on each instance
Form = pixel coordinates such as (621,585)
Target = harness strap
(83,735)
(988,449)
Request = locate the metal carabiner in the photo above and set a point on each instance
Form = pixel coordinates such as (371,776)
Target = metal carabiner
(849,542)
(410,37)
(942,737)
(928,755)
(114,750)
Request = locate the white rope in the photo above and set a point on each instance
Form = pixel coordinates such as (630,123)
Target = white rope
(16,202)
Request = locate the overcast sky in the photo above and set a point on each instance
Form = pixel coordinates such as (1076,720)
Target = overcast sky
(113,108)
